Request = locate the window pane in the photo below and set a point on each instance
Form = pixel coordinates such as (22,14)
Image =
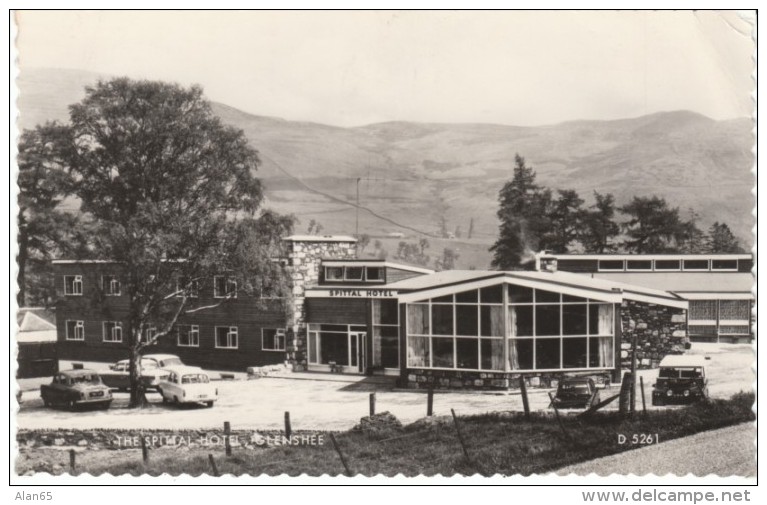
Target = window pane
(724,264)
(601,319)
(547,320)
(574,352)
(443,352)
(542,296)
(601,352)
(334,327)
(468,353)
(611,264)
(492,353)
(696,264)
(638,264)
(353,273)
(521,321)
(418,351)
(387,338)
(334,347)
(547,353)
(418,319)
(521,354)
(334,273)
(442,319)
(574,320)
(492,320)
(520,294)
(702,309)
(668,265)
(375,273)
(493,294)
(467,297)
(466,320)
(572,299)
(734,309)
(385,312)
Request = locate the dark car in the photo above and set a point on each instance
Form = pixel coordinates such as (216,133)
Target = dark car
(681,380)
(73,388)
(576,393)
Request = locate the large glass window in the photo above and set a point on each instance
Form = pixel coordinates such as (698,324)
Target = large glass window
(385,333)
(544,330)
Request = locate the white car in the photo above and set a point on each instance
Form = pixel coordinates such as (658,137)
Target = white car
(185,384)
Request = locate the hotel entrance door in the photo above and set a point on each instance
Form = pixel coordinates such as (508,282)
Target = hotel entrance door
(357,347)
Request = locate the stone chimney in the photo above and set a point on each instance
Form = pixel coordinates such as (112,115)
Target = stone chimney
(305,255)
(544,262)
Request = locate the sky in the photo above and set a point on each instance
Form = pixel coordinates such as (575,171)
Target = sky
(347,68)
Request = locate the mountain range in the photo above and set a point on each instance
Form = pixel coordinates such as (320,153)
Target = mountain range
(408,176)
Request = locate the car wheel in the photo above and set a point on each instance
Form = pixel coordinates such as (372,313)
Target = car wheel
(175,400)
(209,404)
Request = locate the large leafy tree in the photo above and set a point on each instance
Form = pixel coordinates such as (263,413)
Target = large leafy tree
(171,195)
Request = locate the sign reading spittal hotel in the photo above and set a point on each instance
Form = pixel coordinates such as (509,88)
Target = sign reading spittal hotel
(351,293)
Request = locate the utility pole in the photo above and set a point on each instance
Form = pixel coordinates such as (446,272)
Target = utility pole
(357,215)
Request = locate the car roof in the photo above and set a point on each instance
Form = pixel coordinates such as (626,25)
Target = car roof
(79,372)
(185,369)
(576,379)
(160,356)
(682,360)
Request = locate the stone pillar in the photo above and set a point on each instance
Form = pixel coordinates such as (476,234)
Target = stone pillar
(305,255)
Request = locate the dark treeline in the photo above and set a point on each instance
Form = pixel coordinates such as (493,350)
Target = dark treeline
(535,218)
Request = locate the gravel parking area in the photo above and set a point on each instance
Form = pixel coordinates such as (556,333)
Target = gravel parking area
(336,403)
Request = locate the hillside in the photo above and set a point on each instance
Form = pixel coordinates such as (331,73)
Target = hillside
(414,173)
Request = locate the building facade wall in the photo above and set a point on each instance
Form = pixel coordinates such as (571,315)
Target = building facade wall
(250,316)
(304,261)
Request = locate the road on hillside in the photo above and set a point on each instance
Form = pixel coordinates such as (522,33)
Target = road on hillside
(725,452)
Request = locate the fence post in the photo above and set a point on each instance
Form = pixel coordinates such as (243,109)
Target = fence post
(641,387)
(144,449)
(430,402)
(213,465)
(372,404)
(340,455)
(72,460)
(523,391)
(559,419)
(227,434)
(460,436)
(288,428)
(625,393)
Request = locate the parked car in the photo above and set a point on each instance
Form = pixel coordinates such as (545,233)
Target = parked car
(187,385)
(73,388)
(152,365)
(681,380)
(576,393)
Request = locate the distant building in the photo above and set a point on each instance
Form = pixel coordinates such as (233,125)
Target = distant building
(718,286)
(36,341)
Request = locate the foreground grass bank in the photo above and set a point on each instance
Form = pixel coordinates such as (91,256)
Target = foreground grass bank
(504,443)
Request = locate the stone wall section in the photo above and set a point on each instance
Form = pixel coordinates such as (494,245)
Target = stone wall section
(659,331)
(304,259)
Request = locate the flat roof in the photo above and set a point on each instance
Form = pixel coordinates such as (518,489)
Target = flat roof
(683,360)
(663,256)
(678,282)
(375,263)
(320,238)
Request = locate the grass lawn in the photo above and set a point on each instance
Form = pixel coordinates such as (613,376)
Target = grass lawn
(502,443)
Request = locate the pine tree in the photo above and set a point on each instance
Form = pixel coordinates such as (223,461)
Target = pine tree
(721,240)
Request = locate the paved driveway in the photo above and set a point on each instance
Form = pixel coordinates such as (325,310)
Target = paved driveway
(325,401)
